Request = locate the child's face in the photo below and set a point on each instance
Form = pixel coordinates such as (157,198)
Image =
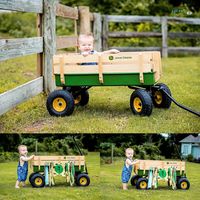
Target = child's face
(129,154)
(23,151)
(86,44)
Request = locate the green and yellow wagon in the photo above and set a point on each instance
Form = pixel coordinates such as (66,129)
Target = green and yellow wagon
(45,168)
(75,74)
(149,172)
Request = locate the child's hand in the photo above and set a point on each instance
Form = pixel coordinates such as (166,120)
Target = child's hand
(31,157)
(85,53)
(114,51)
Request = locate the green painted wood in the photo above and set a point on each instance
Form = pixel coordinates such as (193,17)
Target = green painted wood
(109,80)
(35,6)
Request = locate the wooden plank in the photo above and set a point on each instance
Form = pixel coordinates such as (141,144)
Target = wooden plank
(164,29)
(97,31)
(35,6)
(49,43)
(11,48)
(123,34)
(66,41)
(84,16)
(40,55)
(12,98)
(184,50)
(160,164)
(66,11)
(129,49)
(191,35)
(105,33)
(195,21)
(134,19)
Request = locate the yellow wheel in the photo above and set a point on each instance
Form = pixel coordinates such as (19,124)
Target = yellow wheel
(83,180)
(160,99)
(141,184)
(77,100)
(183,184)
(82,99)
(137,103)
(59,104)
(141,102)
(37,180)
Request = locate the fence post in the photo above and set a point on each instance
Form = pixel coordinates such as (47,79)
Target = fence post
(49,43)
(105,33)
(39,55)
(84,13)
(164,37)
(97,31)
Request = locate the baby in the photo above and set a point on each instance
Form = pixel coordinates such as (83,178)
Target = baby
(86,45)
(128,166)
(22,169)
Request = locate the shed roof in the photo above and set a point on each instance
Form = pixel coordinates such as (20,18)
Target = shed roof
(191,139)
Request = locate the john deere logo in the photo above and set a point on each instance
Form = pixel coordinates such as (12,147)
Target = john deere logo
(111,57)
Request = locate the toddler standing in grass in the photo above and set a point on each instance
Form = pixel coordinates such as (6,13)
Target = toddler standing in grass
(128,166)
(22,169)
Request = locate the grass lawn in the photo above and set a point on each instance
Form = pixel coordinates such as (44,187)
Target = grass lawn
(60,191)
(111,185)
(108,110)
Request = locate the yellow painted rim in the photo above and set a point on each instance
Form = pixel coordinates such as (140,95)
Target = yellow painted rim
(38,181)
(143,185)
(158,97)
(59,104)
(184,185)
(137,104)
(83,181)
(77,100)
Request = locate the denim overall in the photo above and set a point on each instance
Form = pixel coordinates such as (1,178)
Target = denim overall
(22,171)
(126,173)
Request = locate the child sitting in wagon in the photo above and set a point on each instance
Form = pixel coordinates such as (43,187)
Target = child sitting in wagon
(128,167)
(86,47)
(22,169)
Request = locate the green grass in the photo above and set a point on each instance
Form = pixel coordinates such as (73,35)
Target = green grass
(110,179)
(108,110)
(60,191)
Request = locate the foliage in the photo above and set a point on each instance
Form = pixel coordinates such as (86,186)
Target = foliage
(8,156)
(190,158)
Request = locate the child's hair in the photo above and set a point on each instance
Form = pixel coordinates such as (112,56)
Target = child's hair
(129,149)
(21,146)
(85,35)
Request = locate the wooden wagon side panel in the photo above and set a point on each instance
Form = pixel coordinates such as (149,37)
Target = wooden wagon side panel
(147,164)
(42,160)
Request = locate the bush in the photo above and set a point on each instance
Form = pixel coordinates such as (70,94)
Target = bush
(190,158)
(8,156)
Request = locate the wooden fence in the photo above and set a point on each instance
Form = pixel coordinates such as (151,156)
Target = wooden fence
(44,45)
(164,34)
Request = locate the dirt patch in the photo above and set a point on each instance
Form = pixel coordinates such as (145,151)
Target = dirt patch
(37,126)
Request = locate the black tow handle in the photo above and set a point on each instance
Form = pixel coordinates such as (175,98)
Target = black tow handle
(178,104)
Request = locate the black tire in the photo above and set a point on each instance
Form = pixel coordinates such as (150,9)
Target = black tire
(142,184)
(134,180)
(32,175)
(141,102)
(83,180)
(37,180)
(183,184)
(160,99)
(60,103)
(82,99)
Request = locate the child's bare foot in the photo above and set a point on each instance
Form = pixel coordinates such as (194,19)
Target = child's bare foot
(17,187)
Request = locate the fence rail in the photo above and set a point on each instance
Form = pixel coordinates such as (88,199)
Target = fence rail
(164,34)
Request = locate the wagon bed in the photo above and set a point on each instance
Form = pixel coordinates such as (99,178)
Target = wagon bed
(122,69)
